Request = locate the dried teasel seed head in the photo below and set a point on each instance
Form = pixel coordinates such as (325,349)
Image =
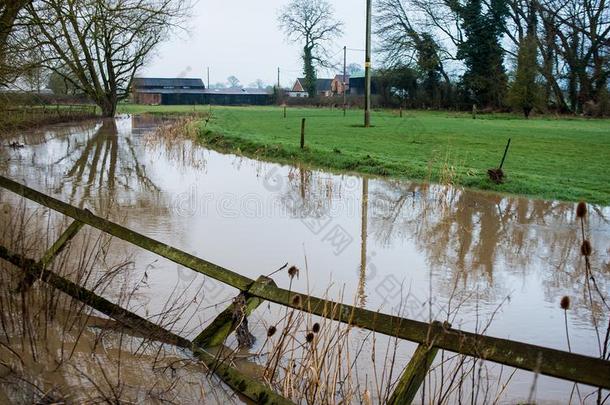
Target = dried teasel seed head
(271,331)
(315,328)
(296,300)
(565,303)
(293,271)
(366,397)
(585,248)
(581,209)
(309,337)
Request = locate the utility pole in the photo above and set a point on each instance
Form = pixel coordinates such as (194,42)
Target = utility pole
(208,77)
(278,79)
(367,68)
(344,79)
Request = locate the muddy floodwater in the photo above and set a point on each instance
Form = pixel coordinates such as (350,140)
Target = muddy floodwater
(481,261)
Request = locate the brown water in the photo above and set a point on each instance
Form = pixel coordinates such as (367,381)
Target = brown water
(426,252)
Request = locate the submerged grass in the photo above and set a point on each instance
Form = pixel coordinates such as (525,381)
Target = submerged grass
(545,159)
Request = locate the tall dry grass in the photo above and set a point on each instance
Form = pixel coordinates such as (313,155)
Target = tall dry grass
(55,349)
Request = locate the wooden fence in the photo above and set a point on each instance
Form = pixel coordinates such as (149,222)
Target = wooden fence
(26,116)
(430,336)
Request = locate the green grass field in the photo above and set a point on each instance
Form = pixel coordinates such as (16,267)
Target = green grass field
(565,159)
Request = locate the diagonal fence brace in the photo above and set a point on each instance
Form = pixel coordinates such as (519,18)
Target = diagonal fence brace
(252,389)
(64,239)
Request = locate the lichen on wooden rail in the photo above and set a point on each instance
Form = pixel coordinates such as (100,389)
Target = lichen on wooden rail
(256,391)
(416,370)
(554,363)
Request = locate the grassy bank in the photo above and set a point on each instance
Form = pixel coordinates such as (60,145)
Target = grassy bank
(566,159)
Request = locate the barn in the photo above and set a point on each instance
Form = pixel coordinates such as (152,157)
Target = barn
(149,90)
(357,84)
(183,91)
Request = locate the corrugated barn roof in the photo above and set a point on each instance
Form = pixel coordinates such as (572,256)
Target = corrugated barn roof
(168,82)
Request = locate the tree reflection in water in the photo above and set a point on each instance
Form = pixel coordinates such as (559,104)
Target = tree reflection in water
(467,235)
(472,242)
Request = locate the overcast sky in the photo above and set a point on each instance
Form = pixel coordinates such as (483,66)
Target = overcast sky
(242,38)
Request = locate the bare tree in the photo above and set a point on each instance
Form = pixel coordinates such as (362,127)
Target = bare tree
(9,10)
(402,44)
(354,68)
(579,34)
(573,41)
(233,82)
(311,23)
(99,45)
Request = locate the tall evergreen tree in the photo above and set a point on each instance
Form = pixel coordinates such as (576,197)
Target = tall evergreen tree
(485,77)
(524,91)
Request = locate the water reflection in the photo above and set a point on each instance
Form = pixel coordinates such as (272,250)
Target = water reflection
(441,244)
(364,218)
(470,236)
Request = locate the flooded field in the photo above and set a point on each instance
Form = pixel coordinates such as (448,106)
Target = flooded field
(483,262)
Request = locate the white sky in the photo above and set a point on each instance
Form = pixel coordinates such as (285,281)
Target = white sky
(242,38)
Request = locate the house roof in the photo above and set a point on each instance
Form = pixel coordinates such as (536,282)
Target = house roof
(168,82)
(236,90)
(321,84)
(339,78)
(324,84)
(228,91)
(360,74)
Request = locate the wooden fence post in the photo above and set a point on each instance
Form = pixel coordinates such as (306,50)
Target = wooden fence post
(415,373)
(302,133)
(225,323)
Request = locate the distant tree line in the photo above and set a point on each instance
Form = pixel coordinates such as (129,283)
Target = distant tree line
(549,55)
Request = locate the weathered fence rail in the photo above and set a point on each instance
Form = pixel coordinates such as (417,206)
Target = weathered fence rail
(57,109)
(430,336)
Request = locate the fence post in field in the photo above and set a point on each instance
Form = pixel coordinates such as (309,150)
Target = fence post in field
(284,110)
(302,133)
